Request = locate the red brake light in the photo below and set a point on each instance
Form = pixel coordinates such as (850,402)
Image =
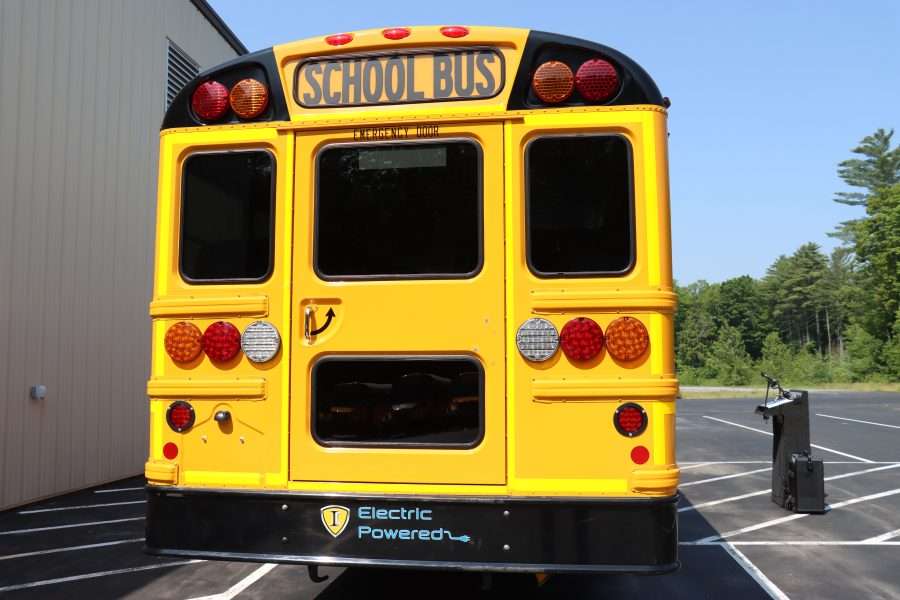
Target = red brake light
(395,33)
(596,80)
(180,416)
(221,341)
(339,39)
(455,31)
(210,100)
(553,82)
(581,339)
(630,419)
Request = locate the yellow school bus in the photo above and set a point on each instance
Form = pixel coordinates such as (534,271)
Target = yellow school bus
(413,307)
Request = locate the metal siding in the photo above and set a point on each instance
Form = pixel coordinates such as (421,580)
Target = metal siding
(82,96)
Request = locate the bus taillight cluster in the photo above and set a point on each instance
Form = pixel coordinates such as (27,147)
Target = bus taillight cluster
(596,80)
(222,341)
(248,99)
(582,339)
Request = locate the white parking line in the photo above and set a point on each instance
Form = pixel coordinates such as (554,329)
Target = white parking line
(46,510)
(134,489)
(720,478)
(33,584)
(241,585)
(868,543)
(37,529)
(768,490)
(884,537)
(758,576)
(794,517)
(859,458)
(858,421)
(70,548)
(694,464)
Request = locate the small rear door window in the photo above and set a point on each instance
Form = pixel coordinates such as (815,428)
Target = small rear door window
(226,216)
(579,205)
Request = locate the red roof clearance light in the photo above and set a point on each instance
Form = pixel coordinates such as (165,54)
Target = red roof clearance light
(596,80)
(221,341)
(210,101)
(581,339)
(455,31)
(396,33)
(339,39)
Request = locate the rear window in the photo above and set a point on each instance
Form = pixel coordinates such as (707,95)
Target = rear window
(226,216)
(399,211)
(579,205)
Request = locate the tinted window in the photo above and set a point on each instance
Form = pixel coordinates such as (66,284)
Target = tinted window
(226,231)
(579,205)
(398,210)
(398,401)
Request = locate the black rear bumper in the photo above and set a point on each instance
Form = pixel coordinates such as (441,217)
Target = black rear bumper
(470,533)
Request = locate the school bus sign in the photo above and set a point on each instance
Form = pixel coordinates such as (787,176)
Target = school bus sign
(399,78)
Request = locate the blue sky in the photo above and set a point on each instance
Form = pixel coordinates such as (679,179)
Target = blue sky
(767,98)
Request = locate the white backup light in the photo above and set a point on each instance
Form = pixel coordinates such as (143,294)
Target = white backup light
(260,341)
(537,339)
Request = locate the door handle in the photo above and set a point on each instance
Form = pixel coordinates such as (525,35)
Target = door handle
(307,319)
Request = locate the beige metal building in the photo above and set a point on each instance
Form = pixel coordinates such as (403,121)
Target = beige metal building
(83,88)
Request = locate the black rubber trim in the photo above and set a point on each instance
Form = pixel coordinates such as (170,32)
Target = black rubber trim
(259,65)
(636,86)
(554,535)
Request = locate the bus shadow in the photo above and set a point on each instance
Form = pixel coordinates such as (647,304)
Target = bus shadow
(706,572)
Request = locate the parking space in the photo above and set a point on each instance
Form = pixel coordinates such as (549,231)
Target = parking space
(734,542)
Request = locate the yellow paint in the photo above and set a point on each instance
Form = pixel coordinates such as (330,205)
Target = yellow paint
(548,426)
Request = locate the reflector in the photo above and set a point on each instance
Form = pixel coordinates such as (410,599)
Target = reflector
(248,98)
(553,82)
(640,455)
(170,451)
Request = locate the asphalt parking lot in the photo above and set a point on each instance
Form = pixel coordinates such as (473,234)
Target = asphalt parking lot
(735,543)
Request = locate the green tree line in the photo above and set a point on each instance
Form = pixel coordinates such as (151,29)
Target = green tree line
(813,318)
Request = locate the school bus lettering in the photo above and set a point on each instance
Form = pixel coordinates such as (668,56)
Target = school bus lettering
(395,330)
(399,78)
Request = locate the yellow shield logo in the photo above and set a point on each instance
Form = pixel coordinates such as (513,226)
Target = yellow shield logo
(335,518)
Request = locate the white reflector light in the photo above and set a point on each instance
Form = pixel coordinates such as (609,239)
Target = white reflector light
(260,341)
(537,339)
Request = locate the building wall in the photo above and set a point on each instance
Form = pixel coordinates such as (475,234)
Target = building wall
(82,95)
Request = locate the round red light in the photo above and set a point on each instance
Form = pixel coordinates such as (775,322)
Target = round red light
(395,33)
(221,341)
(581,339)
(596,80)
(454,31)
(339,39)
(640,455)
(180,416)
(210,100)
(170,451)
(630,419)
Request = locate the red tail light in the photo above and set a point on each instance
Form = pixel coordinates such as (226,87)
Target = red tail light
(627,339)
(395,33)
(339,39)
(180,416)
(454,31)
(248,98)
(210,101)
(581,339)
(553,82)
(630,419)
(221,341)
(596,80)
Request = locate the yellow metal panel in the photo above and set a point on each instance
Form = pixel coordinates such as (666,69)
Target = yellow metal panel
(250,388)
(254,306)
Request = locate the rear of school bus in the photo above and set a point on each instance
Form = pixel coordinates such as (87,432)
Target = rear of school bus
(413,307)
